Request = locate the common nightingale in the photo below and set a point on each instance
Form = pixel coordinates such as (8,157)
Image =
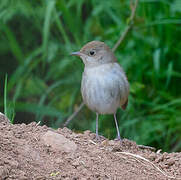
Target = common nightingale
(104,85)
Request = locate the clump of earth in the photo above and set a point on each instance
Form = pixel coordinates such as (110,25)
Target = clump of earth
(39,152)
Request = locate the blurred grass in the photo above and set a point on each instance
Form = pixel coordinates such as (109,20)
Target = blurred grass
(44,81)
(8,108)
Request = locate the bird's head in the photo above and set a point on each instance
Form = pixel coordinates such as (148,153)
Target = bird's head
(95,53)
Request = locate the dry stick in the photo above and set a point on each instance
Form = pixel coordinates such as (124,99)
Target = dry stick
(142,158)
(74,114)
(128,28)
(120,40)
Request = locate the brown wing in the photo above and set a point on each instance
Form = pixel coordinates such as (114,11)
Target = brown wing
(125,105)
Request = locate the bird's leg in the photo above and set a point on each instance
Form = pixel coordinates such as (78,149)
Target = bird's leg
(117,128)
(97,135)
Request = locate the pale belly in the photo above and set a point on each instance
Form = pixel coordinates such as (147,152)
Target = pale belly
(101,90)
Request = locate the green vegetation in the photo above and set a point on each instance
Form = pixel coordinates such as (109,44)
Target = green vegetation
(37,36)
(8,108)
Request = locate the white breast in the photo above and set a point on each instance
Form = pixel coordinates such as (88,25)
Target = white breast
(104,88)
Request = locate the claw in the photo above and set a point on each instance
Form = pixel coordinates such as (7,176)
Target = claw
(97,137)
(118,139)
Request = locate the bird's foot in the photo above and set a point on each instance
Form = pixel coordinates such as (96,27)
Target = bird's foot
(118,139)
(98,139)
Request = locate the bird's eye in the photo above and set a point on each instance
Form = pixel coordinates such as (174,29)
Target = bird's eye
(92,53)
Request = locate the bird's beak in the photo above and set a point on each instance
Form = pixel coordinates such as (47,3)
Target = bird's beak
(75,53)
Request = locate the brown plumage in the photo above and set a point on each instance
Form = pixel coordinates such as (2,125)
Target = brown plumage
(104,84)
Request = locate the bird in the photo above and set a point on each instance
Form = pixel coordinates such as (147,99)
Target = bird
(104,85)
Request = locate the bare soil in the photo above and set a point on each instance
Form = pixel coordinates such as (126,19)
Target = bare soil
(28,152)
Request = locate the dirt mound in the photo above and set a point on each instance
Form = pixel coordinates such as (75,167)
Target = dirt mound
(38,152)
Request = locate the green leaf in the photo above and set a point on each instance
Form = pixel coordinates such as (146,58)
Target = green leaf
(50,5)
(13,43)
(156,60)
